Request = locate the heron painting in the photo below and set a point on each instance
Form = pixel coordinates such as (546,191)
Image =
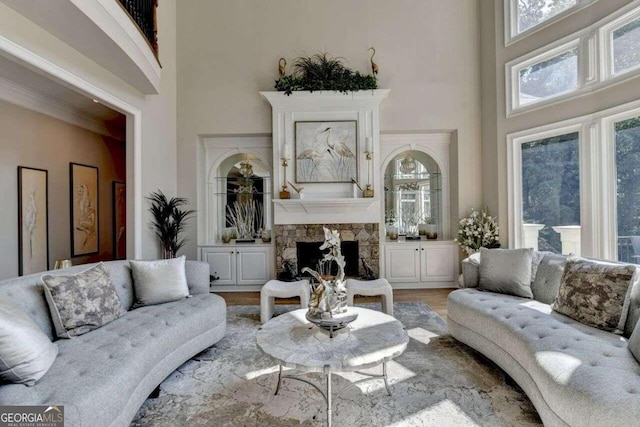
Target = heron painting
(326,151)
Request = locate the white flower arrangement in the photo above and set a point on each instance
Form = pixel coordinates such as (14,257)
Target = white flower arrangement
(478,230)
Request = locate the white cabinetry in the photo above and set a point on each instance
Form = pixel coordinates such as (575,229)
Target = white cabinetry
(239,267)
(423,264)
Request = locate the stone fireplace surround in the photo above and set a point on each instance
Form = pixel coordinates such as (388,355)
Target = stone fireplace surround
(367,236)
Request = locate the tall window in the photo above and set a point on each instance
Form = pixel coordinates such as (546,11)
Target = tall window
(551,189)
(548,78)
(531,13)
(627,142)
(626,46)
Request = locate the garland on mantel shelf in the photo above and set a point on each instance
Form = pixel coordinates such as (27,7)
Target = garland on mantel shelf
(322,72)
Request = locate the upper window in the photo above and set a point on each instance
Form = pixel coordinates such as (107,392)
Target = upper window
(549,77)
(526,16)
(624,42)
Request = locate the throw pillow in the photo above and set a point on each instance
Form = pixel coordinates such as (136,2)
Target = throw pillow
(546,284)
(506,271)
(634,306)
(157,282)
(26,353)
(82,302)
(595,293)
(634,342)
(470,270)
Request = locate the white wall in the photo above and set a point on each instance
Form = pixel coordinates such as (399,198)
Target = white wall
(34,140)
(158,111)
(496,126)
(427,50)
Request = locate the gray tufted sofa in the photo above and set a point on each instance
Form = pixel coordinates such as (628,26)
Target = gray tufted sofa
(574,374)
(103,377)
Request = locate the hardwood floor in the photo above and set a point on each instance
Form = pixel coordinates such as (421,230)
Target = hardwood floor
(434,298)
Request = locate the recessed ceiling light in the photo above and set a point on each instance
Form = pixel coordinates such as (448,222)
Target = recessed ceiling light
(95,100)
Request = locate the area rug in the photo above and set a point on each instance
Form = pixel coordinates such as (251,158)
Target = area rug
(436,382)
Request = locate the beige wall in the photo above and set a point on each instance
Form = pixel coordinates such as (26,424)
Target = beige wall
(158,112)
(427,50)
(38,141)
(495,125)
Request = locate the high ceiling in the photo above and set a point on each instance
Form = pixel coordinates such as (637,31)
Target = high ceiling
(50,92)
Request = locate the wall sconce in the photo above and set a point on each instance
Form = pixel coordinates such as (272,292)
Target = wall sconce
(284,193)
(368,155)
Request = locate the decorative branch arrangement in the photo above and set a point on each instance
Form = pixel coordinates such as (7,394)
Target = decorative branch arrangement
(244,217)
(322,72)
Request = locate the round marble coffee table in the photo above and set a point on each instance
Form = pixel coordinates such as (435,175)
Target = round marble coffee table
(372,339)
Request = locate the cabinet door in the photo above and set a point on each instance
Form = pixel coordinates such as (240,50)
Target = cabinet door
(402,263)
(254,266)
(222,263)
(438,263)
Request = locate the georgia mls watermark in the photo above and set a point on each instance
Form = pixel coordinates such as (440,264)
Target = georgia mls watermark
(32,416)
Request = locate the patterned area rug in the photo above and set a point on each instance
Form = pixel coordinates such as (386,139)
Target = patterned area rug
(436,382)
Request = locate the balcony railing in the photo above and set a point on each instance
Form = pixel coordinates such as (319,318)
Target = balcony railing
(143,13)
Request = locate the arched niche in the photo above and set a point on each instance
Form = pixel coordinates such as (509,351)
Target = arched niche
(240,177)
(413,190)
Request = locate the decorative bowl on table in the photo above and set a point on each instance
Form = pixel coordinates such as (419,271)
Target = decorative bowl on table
(332,324)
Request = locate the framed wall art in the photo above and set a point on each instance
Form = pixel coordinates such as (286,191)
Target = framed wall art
(84,209)
(326,151)
(119,200)
(33,220)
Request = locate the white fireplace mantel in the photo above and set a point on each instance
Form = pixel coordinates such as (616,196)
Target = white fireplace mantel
(327,203)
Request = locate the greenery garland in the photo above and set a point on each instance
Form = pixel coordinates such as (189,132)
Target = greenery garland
(321,72)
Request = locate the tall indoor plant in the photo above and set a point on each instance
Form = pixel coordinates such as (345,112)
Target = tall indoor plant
(168,220)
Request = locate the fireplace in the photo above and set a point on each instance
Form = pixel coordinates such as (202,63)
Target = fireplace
(362,242)
(309,255)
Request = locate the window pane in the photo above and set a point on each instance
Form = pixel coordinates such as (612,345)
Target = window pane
(626,46)
(551,193)
(627,141)
(534,12)
(549,77)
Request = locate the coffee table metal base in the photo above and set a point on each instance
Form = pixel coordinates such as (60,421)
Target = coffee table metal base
(328,393)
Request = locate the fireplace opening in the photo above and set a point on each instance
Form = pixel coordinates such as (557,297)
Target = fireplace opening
(309,255)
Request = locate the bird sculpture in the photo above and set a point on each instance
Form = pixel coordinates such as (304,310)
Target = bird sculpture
(374,66)
(298,189)
(282,64)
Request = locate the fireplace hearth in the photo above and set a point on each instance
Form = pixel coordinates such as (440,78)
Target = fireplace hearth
(310,255)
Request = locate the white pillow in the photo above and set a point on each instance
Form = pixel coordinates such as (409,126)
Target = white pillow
(26,353)
(157,282)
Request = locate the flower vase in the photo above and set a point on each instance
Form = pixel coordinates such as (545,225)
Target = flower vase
(167,253)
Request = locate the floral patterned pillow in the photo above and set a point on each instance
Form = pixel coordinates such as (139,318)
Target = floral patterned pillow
(595,293)
(82,302)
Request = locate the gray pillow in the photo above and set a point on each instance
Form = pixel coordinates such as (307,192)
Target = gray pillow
(548,277)
(82,302)
(157,282)
(26,353)
(596,293)
(634,342)
(471,270)
(506,271)
(634,305)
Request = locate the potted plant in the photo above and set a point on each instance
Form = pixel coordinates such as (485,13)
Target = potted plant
(478,230)
(168,220)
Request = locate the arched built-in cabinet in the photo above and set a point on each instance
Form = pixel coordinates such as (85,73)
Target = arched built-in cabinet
(416,203)
(235,173)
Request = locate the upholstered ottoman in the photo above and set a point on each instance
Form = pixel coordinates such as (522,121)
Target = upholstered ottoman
(278,289)
(371,288)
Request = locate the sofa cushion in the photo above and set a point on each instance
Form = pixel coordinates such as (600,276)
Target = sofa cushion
(26,353)
(506,271)
(587,376)
(634,343)
(548,277)
(157,282)
(81,302)
(595,293)
(97,373)
(471,271)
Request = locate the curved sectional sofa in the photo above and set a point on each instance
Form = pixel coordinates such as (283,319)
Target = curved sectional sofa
(574,374)
(103,377)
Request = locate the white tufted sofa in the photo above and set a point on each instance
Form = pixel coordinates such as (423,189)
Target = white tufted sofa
(103,377)
(574,374)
